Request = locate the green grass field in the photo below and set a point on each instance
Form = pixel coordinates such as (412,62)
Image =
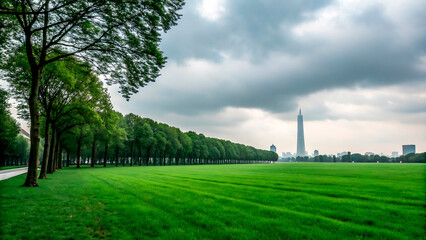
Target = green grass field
(256,201)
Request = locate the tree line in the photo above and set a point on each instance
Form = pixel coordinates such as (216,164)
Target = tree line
(118,39)
(359,158)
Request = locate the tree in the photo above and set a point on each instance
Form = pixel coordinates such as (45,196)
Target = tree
(132,121)
(111,128)
(186,146)
(145,139)
(120,38)
(119,136)
(21,149)
(160,145)
(8,127)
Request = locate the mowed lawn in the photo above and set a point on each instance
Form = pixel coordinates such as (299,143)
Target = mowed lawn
(253,201)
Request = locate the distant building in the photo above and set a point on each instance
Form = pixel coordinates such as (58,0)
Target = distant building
(407,149)
(369,153)
(342,154)
(287,155)
(273,148)
(395,154)
(316,153)
(25,134)
(300,135)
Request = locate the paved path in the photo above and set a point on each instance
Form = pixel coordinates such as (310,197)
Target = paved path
(5,174)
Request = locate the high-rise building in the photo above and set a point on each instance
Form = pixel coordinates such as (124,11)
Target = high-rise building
(273,148)
(316,153)
(394,154)
(407,149)
(300,135)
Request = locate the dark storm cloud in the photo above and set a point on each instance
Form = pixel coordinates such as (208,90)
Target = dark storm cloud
(257,58)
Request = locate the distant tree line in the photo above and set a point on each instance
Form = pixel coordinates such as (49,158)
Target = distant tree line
(133,140)
(356,157)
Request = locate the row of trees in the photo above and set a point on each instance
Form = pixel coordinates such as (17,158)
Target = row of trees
(133,140)
(77,118)
(119,38)
(356,157)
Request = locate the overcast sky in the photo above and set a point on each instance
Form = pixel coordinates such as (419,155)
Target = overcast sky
(240,70)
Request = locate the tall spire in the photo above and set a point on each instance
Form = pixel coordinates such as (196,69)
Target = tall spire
(300,135)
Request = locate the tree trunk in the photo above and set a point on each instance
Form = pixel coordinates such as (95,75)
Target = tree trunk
(2,158)
(92,162)
(105,154)
(68,158)
(131,154)
(31,180)
(59,154)
(43,170)
(148,152)
(78,152)
(116,156)
(50,162)
(164,158)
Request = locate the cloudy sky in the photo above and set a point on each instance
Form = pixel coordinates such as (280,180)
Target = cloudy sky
(240,70)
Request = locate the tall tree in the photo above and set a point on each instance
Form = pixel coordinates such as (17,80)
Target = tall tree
(119,37)
(119,136)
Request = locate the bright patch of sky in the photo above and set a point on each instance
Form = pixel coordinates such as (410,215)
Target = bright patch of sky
(211,9)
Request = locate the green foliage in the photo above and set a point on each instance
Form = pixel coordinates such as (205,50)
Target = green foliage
(21,148)
(358,158)
(8,127)
(251,201)
(412,158)
(119,37)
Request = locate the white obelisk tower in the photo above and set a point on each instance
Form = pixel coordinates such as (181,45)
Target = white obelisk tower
(300,135)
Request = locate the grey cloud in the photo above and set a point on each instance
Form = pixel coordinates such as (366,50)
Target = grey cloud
(246,28)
